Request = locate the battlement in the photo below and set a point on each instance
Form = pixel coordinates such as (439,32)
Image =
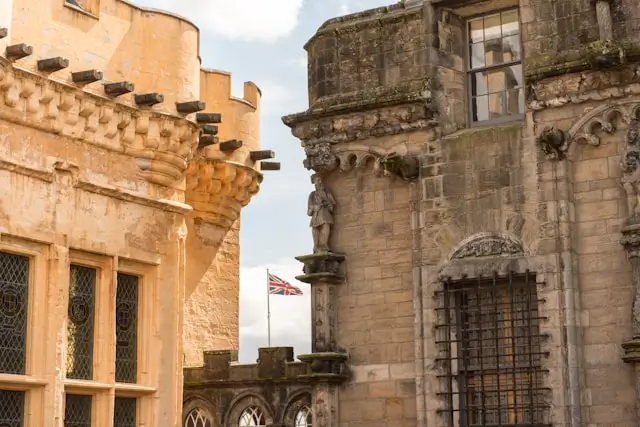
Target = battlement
(273,364)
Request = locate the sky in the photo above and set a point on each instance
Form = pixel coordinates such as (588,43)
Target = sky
(262,41)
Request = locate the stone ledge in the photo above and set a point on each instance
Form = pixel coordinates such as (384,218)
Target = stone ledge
(161,143)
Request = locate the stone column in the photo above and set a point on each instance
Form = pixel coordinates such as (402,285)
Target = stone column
(605,24)
(326,364)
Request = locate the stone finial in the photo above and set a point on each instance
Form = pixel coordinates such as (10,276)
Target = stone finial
(554,142)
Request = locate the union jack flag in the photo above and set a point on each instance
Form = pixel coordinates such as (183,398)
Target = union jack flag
(277,286)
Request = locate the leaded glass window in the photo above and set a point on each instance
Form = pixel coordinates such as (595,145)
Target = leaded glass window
(11,408)
(197,418)
(80,326)
(127,328)
(251,416)
(124,413)
(303,417)
(14,293)
(77,410)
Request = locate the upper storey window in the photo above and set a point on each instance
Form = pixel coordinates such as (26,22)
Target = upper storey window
(494,66)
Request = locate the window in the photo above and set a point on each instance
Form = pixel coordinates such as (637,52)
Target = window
(304,417)
(251,416)
(197,418)
(495,67)
(11,408)
(125,411)
(127,328)
(14,292)
(80,326)
(490,329)
(77,410)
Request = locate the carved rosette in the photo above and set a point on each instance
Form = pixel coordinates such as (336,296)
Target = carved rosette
(218,190)
(161,144)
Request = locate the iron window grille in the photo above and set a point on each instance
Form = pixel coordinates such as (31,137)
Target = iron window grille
(494,68)
(80,327)
(11,408)
(77,410)
(488,331)
(125,412)
(127,328)
(14,305)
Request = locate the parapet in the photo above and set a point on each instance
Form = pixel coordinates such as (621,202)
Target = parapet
(273,364)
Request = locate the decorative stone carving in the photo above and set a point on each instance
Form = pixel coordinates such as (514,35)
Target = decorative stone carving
(319,158)
(631,242)
(320,208)
(325,265)
(630,165)
(327,366)
(488,245)
(161,143)
(407,167)
(606,53)
(602,118)
(554,142)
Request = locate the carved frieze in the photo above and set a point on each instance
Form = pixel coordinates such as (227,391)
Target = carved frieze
(488,245)
(162,144)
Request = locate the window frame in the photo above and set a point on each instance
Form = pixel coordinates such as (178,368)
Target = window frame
(469,72)
(33,382)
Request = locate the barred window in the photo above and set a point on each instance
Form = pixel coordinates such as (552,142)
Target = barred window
(489,329)
(495,67)
(127,328)
(77,410)
(125,412)
(80,325)
(14,295)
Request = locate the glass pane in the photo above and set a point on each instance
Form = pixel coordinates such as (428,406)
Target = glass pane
(197,418)
(493,52)
(496,106)
(127,329)
(496,80)
(11,408)
(492,26)
(14,293)
(510,24)
(513,77)
(480,108)
(77,411)
(476,30)
(515,102)
(124,412)
(476,54)
(511,48)
(479,84)
(82,295)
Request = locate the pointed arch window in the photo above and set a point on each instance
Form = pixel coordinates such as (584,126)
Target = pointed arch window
(197,418)
(303,417)
(252,417)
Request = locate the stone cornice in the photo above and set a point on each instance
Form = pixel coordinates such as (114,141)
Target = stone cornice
(217,189)
(80,182)
(162,144)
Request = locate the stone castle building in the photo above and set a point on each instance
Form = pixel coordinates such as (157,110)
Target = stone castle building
(476,223)
(123,169)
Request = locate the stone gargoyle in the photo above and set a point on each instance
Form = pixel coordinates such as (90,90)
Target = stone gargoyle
(405,166)
(554,142)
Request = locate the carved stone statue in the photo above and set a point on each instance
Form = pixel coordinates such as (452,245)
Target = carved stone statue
(554,142)
(320,209)
(630,165)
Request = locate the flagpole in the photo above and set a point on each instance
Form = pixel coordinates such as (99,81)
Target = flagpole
(268,312)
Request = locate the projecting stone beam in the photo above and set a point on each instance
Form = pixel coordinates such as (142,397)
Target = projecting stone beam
(270,166)
(118,89)
(86,77)
(231,145)
(51,65)
(209,129)
(148,99)
(262,155)
(207,140)
(4,32)
(206,118)
(18,51)
(190,107)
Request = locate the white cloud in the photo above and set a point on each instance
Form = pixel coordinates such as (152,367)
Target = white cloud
(344,8)
(290,315)
(251,20)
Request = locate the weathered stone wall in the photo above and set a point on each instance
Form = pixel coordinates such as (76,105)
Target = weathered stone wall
(221,389)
